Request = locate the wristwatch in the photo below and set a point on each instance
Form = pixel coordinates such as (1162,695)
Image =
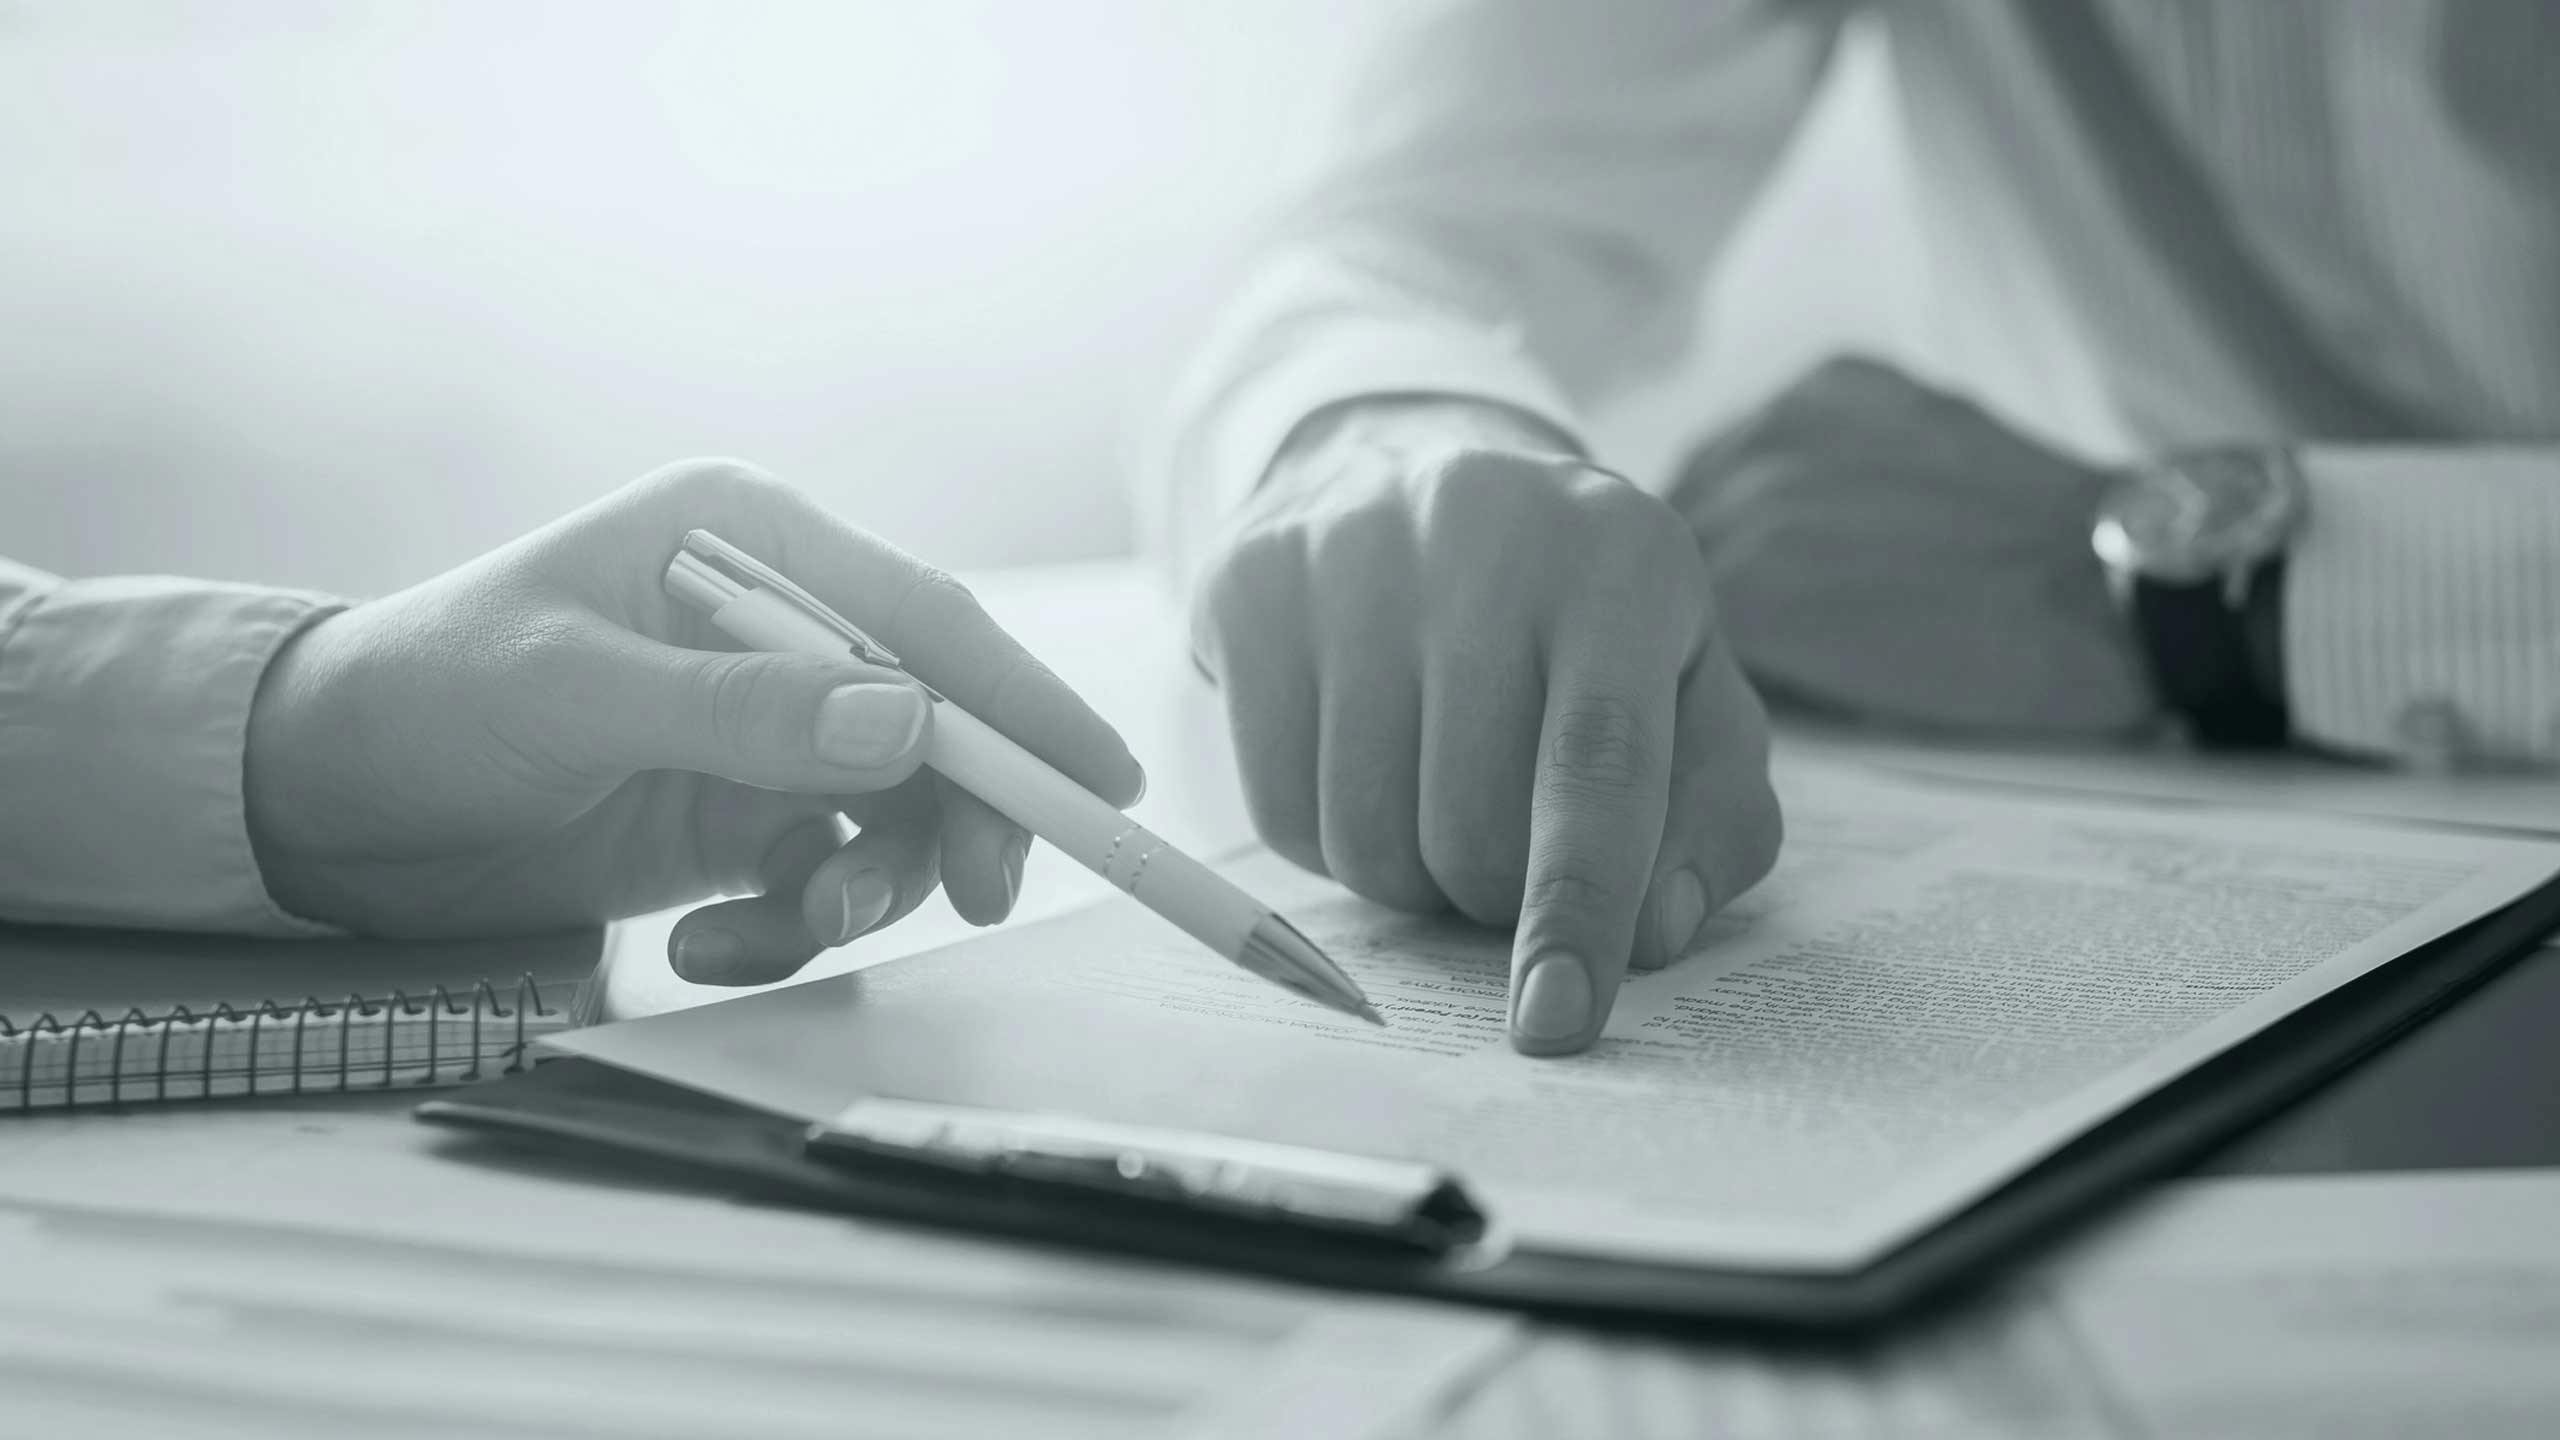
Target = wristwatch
(2194,546)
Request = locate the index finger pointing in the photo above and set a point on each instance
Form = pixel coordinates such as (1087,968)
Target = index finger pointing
(1595,822)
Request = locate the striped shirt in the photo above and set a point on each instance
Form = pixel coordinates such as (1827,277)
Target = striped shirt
(1538,192)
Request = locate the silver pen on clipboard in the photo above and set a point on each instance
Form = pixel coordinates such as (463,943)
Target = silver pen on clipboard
(760,608)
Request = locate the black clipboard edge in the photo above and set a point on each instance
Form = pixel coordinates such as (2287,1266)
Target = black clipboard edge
(598,1109)
(592,1105)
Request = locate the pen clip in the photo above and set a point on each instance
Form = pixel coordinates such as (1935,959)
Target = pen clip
(743,571)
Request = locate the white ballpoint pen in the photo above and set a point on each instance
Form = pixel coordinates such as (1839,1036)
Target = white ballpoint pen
(760,608)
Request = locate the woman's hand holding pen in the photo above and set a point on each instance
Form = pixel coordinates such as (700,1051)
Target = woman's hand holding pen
(1464,668)
(544,737)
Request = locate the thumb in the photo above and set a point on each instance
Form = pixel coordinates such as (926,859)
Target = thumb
(781,722)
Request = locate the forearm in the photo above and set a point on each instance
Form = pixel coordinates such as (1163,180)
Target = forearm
(1534,200)
(124,707)
(2421,606)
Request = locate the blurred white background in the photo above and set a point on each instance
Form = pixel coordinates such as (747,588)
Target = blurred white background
(341,292)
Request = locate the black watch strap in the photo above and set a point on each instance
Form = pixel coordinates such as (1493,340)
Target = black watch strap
(2202,660)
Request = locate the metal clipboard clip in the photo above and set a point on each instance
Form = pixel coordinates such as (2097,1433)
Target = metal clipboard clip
(1400,1201)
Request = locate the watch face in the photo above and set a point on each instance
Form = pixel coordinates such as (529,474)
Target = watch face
(2200,516)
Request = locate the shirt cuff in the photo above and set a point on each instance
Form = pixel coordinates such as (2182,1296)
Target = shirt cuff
(124,718)
(2422,604)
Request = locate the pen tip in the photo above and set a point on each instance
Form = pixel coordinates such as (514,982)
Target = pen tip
(1276,951)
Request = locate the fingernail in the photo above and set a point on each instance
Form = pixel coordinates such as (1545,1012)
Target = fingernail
(1684,906)
(865,899)
(1015,850)
(1555,999)
(861,903)
(708,957)
(865,725)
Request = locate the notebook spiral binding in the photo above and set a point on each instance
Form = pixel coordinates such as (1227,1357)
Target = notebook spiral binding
(500,1035)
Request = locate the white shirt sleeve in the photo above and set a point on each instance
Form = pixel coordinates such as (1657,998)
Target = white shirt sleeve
(124,717)
(1525,212)
(2422,604)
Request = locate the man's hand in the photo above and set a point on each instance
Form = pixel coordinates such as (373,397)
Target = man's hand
(1464,668)
(1884,549)
(543,737)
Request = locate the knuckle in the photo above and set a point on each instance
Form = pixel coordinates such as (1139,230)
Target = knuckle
(1368,849)
(1482,874)
(1392,877)
(1477,465)
(737,691)
(1631,526)
(1754,832)
(1598,748)
(934,602)
(717,477)
(1371,549)
(1024,682)
(1283,812)
(1287,826)
(1248,581)
(1222,599)
(1611,500)
(1570,893)
(1477,486)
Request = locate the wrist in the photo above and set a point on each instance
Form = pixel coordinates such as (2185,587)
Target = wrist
(2195,545)
(281,761)
(1419,424)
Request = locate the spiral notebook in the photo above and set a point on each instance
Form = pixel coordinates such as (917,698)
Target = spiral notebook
(91,1018)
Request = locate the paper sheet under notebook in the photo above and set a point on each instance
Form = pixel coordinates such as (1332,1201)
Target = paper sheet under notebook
(1934,990)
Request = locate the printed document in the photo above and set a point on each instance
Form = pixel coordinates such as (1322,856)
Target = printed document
(1934,990)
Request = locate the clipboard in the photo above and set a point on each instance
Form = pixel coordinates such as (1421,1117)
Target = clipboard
(1405,1228)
